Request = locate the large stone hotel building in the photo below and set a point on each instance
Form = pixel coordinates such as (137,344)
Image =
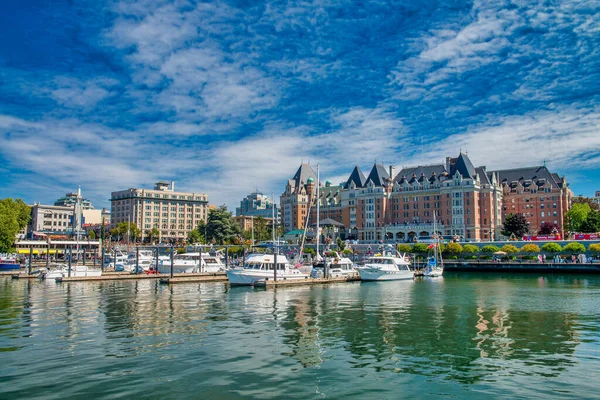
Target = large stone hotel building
(467,201)
(173,213)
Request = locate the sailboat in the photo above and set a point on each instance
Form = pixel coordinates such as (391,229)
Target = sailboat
(435,264)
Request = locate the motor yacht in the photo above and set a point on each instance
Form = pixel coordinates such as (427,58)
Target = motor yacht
(194,262)
(337,266)
(259,267)
(386,267)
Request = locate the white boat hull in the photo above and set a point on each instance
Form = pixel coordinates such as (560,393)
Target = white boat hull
(242,277)
(76,271)
(373,274)
(434,273)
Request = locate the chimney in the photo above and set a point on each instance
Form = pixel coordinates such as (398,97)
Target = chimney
(392,172)
(173,186)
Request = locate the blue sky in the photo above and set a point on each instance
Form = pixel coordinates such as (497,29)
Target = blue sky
(228,96)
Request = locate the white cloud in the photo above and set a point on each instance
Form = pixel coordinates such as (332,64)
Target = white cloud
(565,139)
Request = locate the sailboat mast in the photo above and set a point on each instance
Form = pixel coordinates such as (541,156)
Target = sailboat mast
(318,217)
(273,216)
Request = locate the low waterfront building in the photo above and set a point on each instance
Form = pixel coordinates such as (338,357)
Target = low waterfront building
(58,248)
(173,213)
(50,220)
(248,222)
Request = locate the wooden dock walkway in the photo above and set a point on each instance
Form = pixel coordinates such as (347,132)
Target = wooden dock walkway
(221,277)
(270,283)
(129,276)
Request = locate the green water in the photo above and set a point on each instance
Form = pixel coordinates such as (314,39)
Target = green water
(462,336)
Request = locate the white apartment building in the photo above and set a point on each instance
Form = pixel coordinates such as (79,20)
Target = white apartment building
(51,219)
(173,213)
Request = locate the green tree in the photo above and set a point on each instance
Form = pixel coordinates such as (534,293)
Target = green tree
(515,224)
(202,230)
(453,248)
(14,216)
(341,244)
(404,248)
(261,232)
(591,223)
(310,250)
(594,248)
(128,228)
(194,236)
(552,248)
(92,235)
(153,234)
(509,249)
(576,216)
(469,248)
(221,226)
(420,248)
(530,248)
(490,248)
(574,247)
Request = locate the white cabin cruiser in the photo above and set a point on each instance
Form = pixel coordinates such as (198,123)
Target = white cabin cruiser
(386,267)
(337,265)
(188,263)
(259,268)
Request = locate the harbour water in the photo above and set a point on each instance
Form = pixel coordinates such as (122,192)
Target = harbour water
(460,336)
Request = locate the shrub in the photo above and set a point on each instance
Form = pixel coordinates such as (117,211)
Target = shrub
(404,248)
(419,248)
(574,247)
(530,248)
(311,251)
(509,248)
(594,248)
(453,248)
(347,252)
(490,248)
(453,257)
(552,248)
(469,248)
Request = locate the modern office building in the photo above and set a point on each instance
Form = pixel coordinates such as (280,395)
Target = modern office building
(257,204)
(468,202)
(70,199)
(173,213)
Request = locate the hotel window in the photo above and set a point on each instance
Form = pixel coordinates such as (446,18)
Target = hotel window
(542,213)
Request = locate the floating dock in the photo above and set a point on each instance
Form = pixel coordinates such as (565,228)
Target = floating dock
(129,276)
(217,277)
(270,283)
